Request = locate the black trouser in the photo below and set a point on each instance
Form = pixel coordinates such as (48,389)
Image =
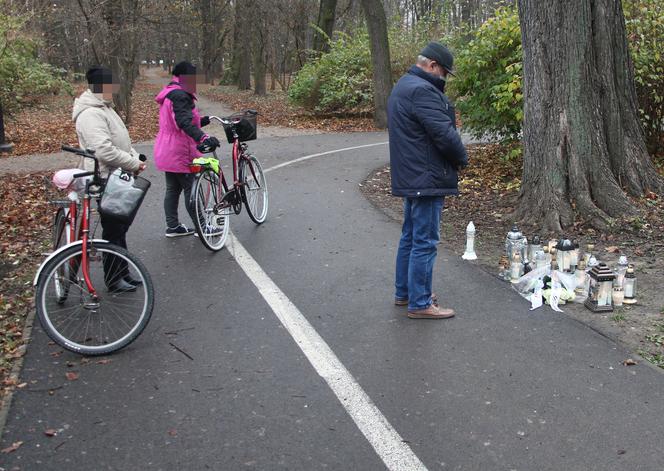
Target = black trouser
(115,268)
(176,183)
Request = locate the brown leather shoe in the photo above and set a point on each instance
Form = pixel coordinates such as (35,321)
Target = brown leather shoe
(404,302)
(431,312)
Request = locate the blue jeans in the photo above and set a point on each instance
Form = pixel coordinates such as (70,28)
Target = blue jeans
(418,249)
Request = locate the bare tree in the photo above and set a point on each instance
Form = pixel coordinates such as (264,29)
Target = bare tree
(380,58)
(583,145)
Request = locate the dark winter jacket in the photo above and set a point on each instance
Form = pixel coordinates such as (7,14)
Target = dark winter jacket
(425,147)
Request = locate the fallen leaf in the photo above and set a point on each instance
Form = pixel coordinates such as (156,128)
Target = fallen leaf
(22,385)
(14,446)
(629,362)
(50,432)
(105,361)
(71,375)
(613,249)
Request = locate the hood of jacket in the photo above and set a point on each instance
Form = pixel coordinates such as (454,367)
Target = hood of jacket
(174,85)
(87,100)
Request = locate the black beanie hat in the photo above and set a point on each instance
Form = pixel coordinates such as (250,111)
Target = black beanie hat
(440,54)
(98,75)
(184,68)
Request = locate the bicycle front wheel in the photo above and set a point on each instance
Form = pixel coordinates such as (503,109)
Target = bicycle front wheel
(101,324)
(61,237)
(212,214)
(254,188)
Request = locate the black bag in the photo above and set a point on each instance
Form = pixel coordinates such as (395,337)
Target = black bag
(123,196)
(245,128)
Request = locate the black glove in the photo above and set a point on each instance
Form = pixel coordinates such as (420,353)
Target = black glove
(208,145)
(205,120)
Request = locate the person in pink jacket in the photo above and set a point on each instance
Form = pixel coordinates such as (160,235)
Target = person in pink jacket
(175,147)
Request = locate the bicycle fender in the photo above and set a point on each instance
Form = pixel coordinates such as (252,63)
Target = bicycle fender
(61,249)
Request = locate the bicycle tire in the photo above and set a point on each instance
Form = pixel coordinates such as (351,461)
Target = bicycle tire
(254,188)
(212,227)
(94,326)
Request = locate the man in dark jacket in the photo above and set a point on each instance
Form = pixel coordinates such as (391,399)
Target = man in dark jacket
(425,154)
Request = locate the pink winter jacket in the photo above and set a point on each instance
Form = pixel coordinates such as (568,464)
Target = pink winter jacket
(174,149)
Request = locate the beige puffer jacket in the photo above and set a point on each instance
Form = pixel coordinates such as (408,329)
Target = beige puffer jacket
(100,128)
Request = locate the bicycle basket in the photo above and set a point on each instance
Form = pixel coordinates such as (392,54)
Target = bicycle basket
(123,196)
(245,128)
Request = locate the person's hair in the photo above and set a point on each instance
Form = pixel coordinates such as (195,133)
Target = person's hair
(184,68)
(421,60)
(97,76)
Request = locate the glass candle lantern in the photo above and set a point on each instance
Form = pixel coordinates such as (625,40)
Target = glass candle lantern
(503,268)
(534,247)
(564,250)
(516,244)
(618,296)
(581,276)
(600,293)
(574,261)
(629,286)
(516,269)
(621,269)
(540,259)
(588,253)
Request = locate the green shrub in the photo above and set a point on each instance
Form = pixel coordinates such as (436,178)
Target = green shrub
(488,83)
(341,80)
(645,30)
(338,81)
(23,76)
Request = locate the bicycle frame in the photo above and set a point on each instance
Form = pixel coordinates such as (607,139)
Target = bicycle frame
(236,154)
(85,232)
(82,233)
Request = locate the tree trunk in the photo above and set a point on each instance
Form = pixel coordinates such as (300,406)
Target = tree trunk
(242,49)
(583,146)
(259,66)
(326,17)
(380,58)
(121,49)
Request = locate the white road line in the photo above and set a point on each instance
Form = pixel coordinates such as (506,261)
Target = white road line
(396,454)
(307,157)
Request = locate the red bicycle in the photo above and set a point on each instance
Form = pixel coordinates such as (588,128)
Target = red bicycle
(76,303)
(212,198)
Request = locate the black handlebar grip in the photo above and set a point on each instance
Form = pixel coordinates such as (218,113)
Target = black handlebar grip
(75,150)
(142,157)
(84,174)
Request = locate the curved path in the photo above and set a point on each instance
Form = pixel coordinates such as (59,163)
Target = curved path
(298,359)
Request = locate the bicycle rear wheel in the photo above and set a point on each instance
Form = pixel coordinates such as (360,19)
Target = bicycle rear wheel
(87,324)
(254,188)
(212,218)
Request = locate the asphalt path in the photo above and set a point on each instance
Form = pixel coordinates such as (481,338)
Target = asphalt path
(496,388)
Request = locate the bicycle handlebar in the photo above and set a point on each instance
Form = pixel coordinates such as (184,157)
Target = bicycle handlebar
(89,154)
(234,118)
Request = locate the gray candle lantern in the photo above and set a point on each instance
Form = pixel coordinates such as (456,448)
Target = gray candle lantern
(630,286)
(601,289)
(516,244)
(564,249)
